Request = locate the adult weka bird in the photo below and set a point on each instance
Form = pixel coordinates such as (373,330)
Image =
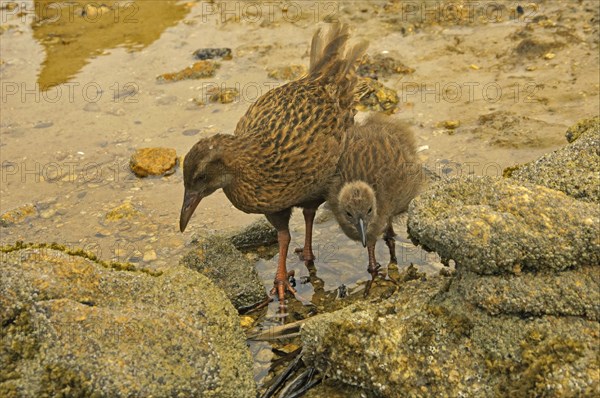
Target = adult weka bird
(378,175)
(285,148)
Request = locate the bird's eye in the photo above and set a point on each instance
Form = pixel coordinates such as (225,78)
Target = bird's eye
(201,177)
(349,214)
(370,210)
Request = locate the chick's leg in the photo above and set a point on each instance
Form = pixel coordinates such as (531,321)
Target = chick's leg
(373,267)
(390,242)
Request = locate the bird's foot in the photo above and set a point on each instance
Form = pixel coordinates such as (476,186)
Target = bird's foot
(280,286)
(308,257)
(374,271)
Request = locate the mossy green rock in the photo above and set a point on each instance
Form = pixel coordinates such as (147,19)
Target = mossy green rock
(428,341)
(518,318)
(218,259)
(493,225)
(259,233)
(73,327)
(573,169)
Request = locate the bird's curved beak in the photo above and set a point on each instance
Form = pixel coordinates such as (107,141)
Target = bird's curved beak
(362,231)
(190,202)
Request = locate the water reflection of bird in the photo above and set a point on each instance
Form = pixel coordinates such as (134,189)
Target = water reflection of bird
(285,148)
(378,175)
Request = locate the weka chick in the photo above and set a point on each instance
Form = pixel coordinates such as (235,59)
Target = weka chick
(285,148)
(378,175)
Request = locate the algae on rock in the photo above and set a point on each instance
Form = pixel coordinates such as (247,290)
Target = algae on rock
(218,259)
(73,327)
(492,226)
(573,169)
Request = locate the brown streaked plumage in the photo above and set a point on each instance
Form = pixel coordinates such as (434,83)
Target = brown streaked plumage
(378,175)
(285,148)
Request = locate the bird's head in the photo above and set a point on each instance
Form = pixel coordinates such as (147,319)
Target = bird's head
(357,206)
(204,171)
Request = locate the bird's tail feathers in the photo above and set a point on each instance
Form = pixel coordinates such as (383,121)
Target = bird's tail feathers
(334,62)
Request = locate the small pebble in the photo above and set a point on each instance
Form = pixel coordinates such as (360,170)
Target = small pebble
(47,213)
(451,124)
(91,107)
(102,233)
(246,321)
(149,255)
(264,355)
(190,132)
(43,125)
(212,53)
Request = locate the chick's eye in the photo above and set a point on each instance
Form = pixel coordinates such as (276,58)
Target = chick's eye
(200,177)
(370,210)
(349,214)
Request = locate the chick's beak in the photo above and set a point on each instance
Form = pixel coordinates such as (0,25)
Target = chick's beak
(362,230)
(190,202)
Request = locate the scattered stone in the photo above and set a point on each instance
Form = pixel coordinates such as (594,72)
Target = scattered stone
(290,72)
(246,322)
(549,55)
(48,213)
(374,96)
(198,102)
(264,356)
(509,130)
(575,131)
(149,255)
(212,53)
(334,389)
(259,233)
(153,161)
(218,259)
(18,215)
(116,111)
(573,169)
(190,132)
(522,227)
(381,66)
(533,48)
(198,70)
(450,124)
(103,233)
(91,107)
(126,211)
(43,125)
(166,100)
(223,95)
(74,326)
(289,348)
(46,203)
(253,50)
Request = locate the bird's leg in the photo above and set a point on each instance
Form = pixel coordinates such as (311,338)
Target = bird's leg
(306,253)
(373,267)
(281,284)
(390,242)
